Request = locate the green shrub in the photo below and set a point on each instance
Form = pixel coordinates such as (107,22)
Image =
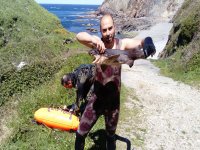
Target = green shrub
(27,36)
(181,54)
(193,64)
(189,26)
(30,76)
(28,135)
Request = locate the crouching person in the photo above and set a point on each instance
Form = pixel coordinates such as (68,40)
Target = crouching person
(81,79)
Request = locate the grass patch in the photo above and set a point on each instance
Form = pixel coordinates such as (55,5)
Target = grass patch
(181,55)
(27,36)
(130,118)
(31,76)
(37,40)
(28,135)
(125,93)
(187,74)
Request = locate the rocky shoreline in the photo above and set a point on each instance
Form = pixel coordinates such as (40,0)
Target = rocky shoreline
(124,25)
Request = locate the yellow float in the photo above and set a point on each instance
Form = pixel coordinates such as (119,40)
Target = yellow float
(57,118)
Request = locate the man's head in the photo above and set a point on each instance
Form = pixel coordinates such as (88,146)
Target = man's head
(107,28)
(67,80)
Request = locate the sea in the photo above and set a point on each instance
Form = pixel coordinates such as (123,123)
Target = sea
(75,18)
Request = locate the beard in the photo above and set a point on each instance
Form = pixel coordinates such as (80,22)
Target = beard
(108,39)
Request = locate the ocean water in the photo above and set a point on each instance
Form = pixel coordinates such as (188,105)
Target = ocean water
(75,18)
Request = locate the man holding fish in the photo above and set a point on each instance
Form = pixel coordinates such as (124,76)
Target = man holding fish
(104,96)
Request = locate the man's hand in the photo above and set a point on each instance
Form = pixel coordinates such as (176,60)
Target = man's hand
(73,108)
(98,44)
(148,48)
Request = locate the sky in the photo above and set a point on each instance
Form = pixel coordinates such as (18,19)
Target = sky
(94,2)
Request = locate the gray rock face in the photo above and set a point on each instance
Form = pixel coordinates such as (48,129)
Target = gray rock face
(140,8)
(139,14)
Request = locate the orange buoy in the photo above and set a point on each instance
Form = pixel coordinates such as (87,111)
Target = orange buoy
(57,118)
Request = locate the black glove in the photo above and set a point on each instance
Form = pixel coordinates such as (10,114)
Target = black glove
(148,48)
(73,108)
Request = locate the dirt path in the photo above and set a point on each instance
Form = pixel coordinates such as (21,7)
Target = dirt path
(169,115)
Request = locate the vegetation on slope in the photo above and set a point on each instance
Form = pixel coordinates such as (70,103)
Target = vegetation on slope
(181,57)
(28,135)
(28,34)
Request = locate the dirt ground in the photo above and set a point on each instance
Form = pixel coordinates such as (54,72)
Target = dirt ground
(167,111)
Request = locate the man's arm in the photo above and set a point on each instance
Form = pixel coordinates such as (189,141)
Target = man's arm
(91,41)
(130,44)
(146,44)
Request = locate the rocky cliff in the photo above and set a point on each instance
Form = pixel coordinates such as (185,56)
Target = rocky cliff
(139,14)
(183,46)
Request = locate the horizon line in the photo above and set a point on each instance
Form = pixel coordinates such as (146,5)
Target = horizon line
(68,4)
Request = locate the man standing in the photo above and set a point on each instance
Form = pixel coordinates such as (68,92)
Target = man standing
(104,96)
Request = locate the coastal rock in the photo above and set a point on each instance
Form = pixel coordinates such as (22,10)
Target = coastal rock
(138,15)
(89,25)
(137,9)
(93,30)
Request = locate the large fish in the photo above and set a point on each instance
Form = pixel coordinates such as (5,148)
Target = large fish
(116,56)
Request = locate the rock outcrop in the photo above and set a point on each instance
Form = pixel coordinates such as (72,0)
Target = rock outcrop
(139,14)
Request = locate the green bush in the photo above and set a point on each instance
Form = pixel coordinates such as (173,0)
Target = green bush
(181,54)
(30,76)
(189,26)
(27,36)
(193,65)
